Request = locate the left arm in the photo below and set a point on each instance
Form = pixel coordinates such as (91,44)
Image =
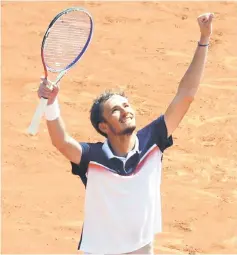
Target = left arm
(190,82)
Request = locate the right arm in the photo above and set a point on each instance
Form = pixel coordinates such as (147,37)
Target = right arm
(68,146)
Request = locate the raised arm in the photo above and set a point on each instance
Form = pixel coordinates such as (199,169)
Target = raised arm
(69,147)
(191,80)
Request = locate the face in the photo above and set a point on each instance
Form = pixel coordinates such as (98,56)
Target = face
(119,117)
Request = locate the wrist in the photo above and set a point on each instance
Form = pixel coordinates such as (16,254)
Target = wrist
(203,45)
(204,40)
(52,111)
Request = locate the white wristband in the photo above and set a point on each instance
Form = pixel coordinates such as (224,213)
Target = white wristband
(52,111)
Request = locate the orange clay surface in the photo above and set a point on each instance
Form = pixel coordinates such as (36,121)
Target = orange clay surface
(145,49)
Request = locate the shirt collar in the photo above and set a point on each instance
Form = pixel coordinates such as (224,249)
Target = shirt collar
(110,154)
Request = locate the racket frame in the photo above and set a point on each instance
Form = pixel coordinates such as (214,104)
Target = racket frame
(46,68)
(40,110)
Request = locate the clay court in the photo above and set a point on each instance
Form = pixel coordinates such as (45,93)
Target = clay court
(145,49)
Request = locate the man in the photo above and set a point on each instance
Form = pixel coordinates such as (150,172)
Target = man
(122,175)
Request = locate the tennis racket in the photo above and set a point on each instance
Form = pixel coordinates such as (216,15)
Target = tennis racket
(65,41)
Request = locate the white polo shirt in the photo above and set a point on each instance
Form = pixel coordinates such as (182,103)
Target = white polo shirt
(122,200)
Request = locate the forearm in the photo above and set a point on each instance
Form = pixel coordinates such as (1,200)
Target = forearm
(69,147)
(57,133)
(56,127)
(191,80)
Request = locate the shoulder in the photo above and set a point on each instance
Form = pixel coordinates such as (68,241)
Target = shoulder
(153,126)
(90,150)
(155,133)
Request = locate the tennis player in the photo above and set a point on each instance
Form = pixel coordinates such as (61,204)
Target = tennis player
(122,175)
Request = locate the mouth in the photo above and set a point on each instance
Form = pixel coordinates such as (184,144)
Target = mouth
(126,119)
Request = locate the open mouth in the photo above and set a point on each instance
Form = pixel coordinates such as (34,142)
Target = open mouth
(126,119)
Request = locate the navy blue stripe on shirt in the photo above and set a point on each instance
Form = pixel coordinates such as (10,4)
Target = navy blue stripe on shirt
(153,134)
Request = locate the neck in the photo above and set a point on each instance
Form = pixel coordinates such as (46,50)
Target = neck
(122,145)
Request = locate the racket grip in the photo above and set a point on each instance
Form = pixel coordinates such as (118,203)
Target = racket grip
(35,123)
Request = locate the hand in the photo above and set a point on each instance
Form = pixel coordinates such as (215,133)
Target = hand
(45,91)
(205,24)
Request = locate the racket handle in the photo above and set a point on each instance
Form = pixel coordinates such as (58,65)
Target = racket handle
(40,110)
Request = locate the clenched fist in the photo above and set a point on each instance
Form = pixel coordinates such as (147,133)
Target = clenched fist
(205,24)
(45,91)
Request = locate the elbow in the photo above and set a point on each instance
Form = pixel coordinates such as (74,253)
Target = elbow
(188,98)
(186,95)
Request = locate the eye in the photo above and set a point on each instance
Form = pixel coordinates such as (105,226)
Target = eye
(114,110)
(126,105)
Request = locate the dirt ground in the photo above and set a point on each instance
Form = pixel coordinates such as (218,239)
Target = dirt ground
(143,48)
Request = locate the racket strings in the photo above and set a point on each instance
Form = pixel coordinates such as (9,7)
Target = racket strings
(66,39)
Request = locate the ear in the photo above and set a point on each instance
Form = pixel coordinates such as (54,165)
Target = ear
(103,127)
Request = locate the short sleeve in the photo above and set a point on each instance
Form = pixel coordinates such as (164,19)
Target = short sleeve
(160,133)
(81,168)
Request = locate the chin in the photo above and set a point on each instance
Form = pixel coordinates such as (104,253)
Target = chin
(128,130)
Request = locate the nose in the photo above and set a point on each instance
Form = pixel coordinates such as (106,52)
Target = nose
(124,111)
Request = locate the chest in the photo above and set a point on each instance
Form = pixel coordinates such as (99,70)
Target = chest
(145,175)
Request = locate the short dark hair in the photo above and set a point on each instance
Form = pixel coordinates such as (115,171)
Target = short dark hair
(96,112)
